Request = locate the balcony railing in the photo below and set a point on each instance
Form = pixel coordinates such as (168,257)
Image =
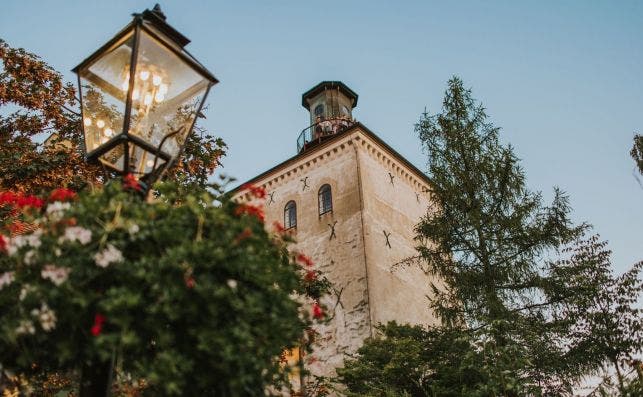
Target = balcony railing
(322,131)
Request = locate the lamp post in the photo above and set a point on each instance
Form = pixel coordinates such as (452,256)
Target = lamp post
(140,95)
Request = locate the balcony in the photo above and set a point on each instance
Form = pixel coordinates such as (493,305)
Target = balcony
(322,131)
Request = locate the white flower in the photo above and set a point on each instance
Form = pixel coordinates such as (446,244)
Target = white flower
(24,291)
(232,283)
(25,327)
(57,275)
(57,252)
(6,279)
(108,255)
(55,210)
(15,243)
(48,320)
(77,233)
(46,316)
(133,229)
(29,257)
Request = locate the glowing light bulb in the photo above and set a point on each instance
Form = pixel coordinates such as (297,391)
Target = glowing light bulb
(145,75)
(135,94)
(87,121)
(159,97)
(156,79)
(150,163)
(109,132)
(100,123)
(125,85)
(163,89)
(103,140)
(148,99)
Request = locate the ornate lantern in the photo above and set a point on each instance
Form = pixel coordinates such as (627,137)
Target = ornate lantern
(140,95)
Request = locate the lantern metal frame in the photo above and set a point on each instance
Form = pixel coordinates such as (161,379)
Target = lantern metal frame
(173,41)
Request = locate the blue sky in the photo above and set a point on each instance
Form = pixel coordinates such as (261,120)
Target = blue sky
(562,79)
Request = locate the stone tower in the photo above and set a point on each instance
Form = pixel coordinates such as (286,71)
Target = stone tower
(351,202)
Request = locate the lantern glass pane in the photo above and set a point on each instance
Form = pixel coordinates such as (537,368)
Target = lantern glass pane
(114,158)
(143,162)
(101,84)
(166,96)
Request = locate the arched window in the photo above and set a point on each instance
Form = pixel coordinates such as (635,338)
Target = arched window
(325,199)
(319,111)
(290,215)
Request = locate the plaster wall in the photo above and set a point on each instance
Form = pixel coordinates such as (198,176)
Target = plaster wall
(370,283)
(395,199)
(340,258)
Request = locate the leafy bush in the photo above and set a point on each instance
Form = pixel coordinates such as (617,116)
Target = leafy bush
(189,292)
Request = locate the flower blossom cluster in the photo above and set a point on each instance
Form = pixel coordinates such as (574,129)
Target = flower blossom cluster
(318,312)
(25,327)
(57,275)
(304,260)
(77,233)
(6,279)
(99,321)
(249,209)
(62,194)
(46,316)
(20,201)
(13,244)
(109,255)
(130,182)
(257,191)
(56,209)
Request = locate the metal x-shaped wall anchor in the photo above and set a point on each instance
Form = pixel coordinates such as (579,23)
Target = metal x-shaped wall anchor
(305,182)
(387,235)
(417,196)
(391,176)
(272,197)
(332,230)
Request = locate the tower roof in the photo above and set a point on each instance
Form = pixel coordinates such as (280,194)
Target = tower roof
(328,85)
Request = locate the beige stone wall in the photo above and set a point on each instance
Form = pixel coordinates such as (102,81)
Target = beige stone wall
(369,287)
(340,258)
(394,201)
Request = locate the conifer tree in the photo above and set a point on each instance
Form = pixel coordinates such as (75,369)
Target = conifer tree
(528,302)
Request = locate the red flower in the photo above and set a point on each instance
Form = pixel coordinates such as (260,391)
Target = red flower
(190,282)
(19,200)
(8,198)
(310,276)
(29,201)
(130,182)
(62,194)
(318,312)
(243,235)
(279,227)
(248,209)
(97,328)
(257,191)
(305,260)
(3,243)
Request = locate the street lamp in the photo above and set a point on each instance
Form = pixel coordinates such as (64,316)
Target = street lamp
(140,95)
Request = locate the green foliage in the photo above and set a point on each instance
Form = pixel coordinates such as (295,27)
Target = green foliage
(189,292)
(637,152)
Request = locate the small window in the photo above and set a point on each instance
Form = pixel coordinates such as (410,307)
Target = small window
(290,215)
(325,199)
(345,111)
(319,111)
